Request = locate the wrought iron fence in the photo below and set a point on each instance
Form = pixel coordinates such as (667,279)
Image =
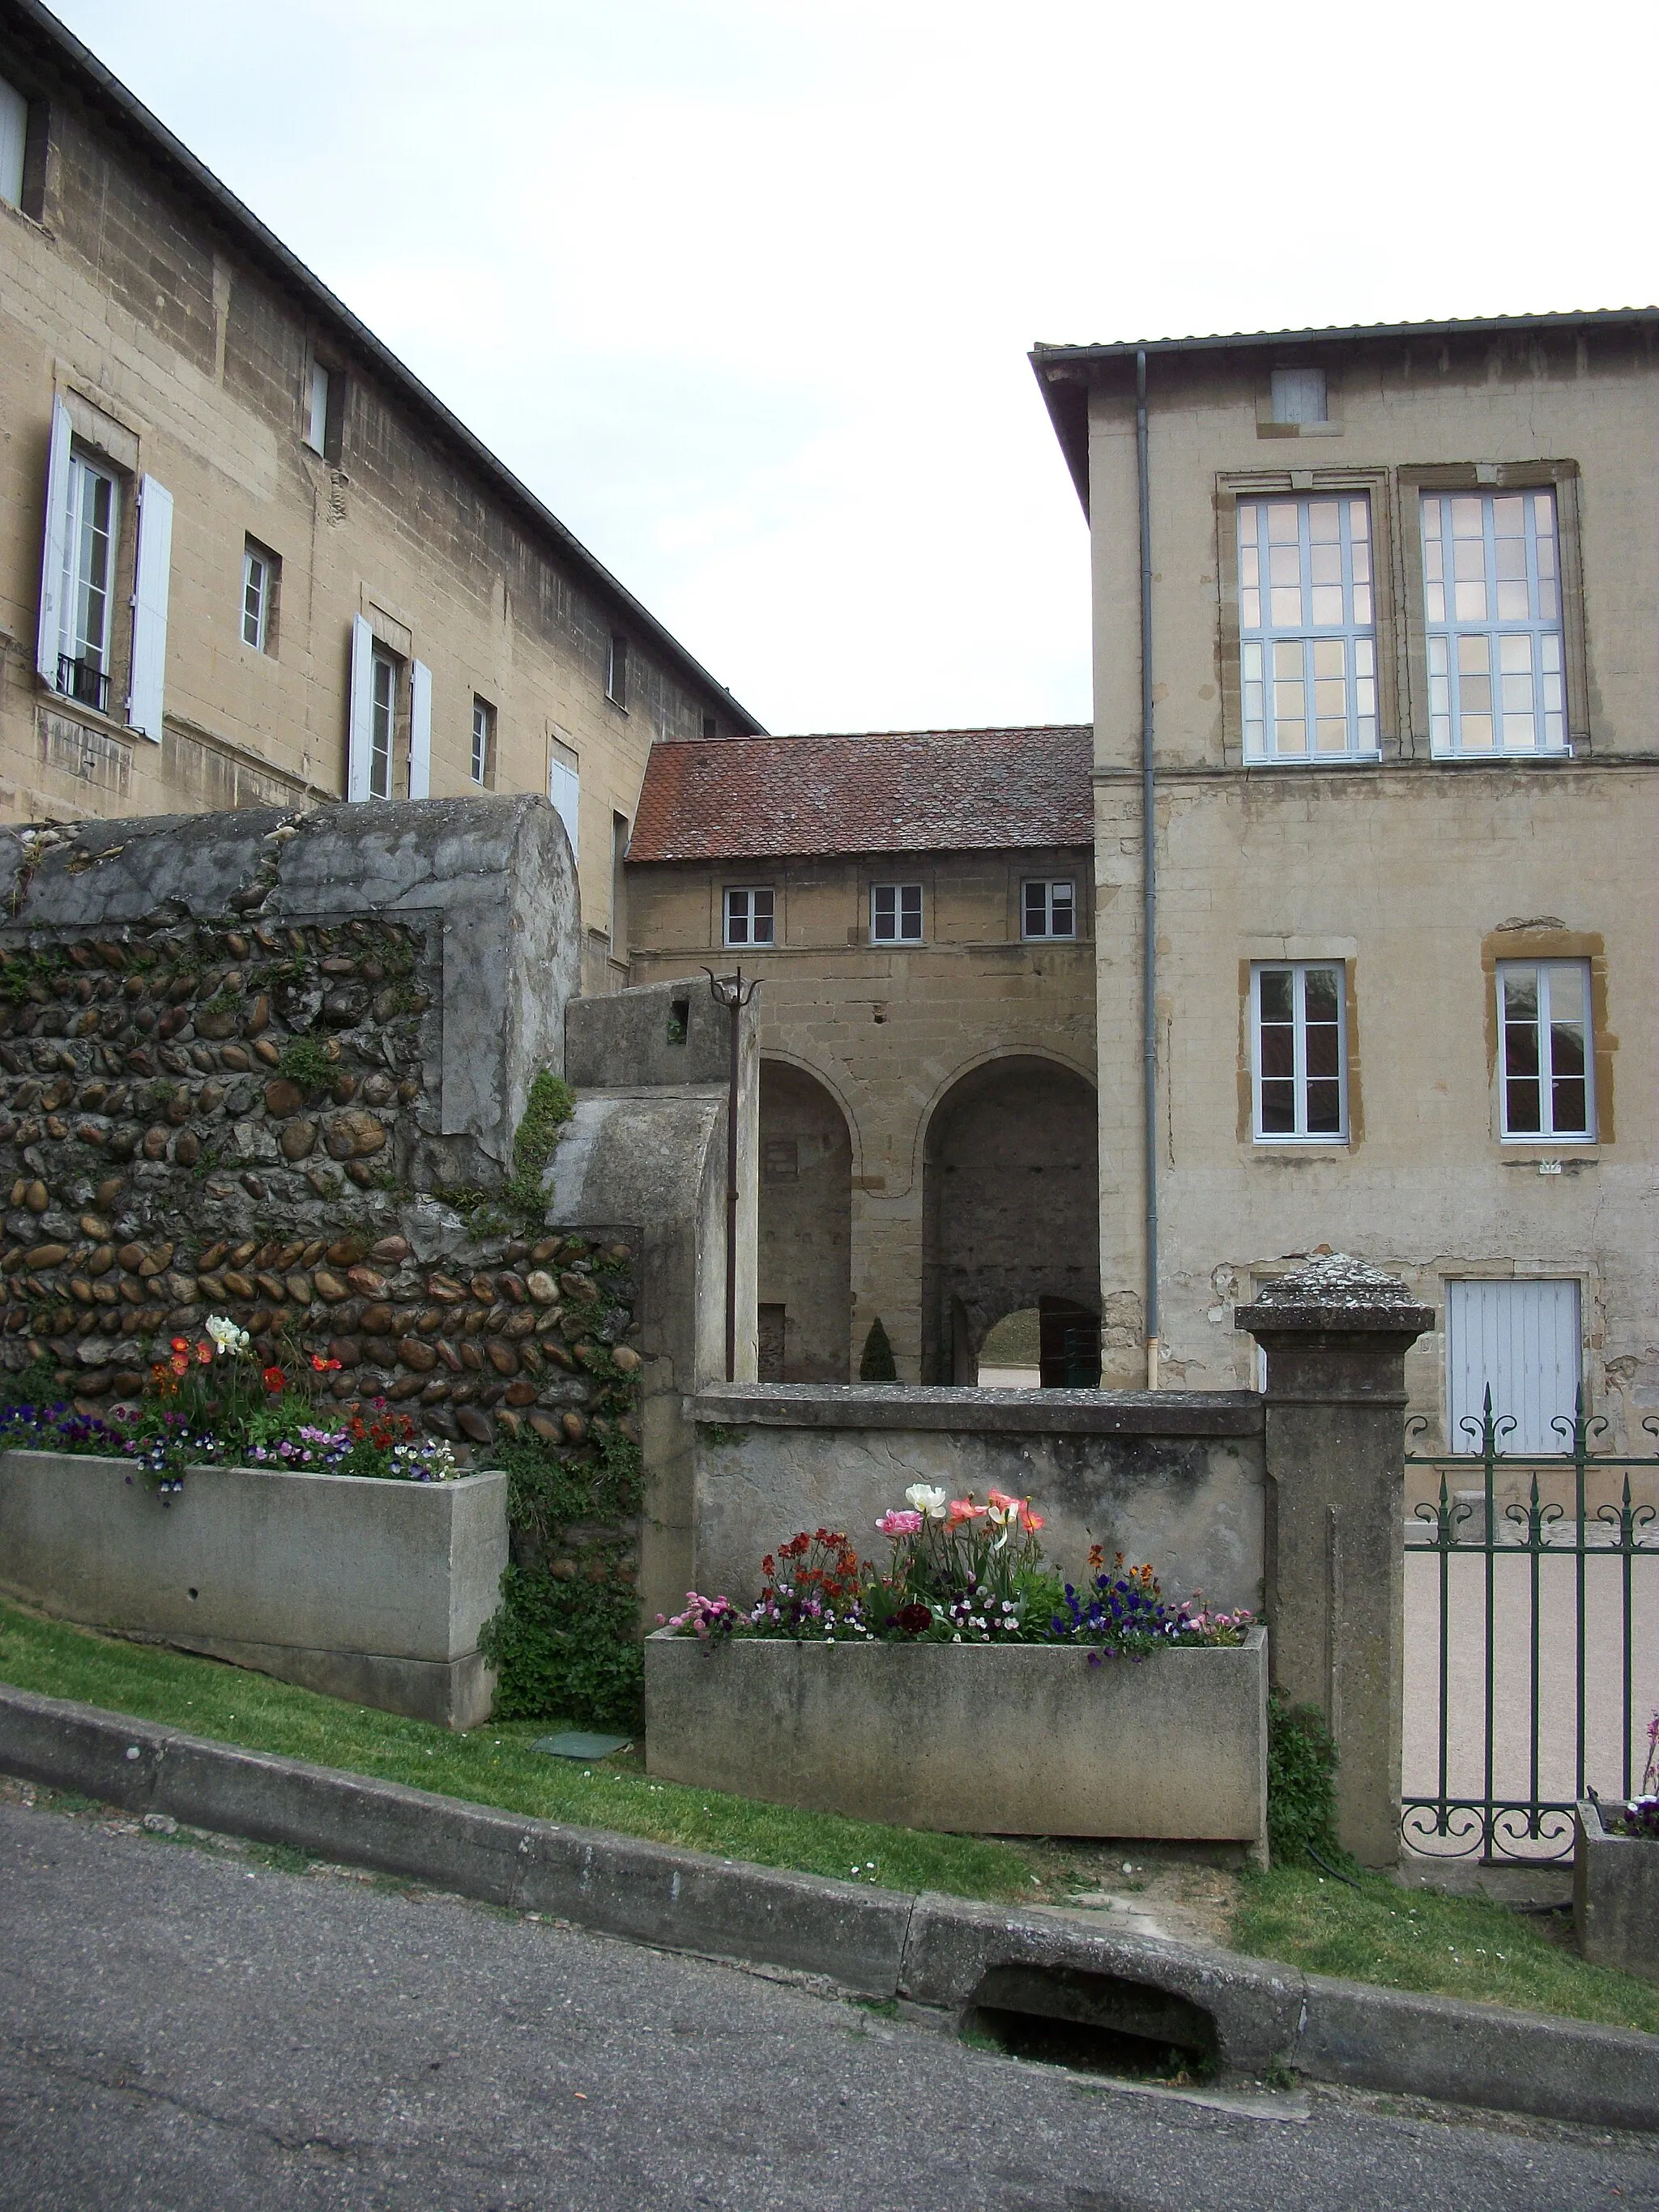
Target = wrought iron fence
(1537,1577)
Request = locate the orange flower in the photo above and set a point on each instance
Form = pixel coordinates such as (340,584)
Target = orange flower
(1030,1521)
(963,1509)
(1002,1500)
(1096,1555)
(180,1363)
(325,1366)
(179,1345)
(205,1354)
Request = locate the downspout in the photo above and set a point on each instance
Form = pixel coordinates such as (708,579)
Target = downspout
(1148,881)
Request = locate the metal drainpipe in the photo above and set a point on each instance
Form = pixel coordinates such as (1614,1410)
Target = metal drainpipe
(1148,879)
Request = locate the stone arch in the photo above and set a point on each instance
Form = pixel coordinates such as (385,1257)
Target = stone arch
(806,1255)
(1011,1206)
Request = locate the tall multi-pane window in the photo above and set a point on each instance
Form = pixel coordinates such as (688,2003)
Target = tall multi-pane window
(383,723)
(1491,589)
(1299,1055)
(896,914)
(89,539)
(259,598)
(483,742)
(751,916)
(1307,640)
(1545,1009)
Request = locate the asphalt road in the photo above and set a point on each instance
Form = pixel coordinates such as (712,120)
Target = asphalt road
(183,2029)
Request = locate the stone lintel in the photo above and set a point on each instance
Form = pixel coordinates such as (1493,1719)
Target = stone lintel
(922,1406)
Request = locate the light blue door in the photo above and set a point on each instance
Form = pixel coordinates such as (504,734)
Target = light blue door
(1521,1339)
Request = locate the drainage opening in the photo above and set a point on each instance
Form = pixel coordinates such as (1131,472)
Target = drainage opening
(1096,2023)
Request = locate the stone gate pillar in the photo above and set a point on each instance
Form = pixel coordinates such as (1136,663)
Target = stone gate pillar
(1336,1333)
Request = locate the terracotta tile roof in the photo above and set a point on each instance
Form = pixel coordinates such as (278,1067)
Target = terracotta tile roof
(899,791)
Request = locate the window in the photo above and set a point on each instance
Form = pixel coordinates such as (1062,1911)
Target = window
(483,743)
(711,728)
(1492,593)
(260,568)
(896,914)
(616,674)
(1048,910)
(1298,395)
(383,723)
(1300,1052)
(13,141)
(750,917)
(1544,1009)
(1307,640)
(564,788)
(88,583)
(317,400)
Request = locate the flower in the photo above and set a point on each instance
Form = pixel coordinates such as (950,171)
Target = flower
(1030,1521)
(226,1335)
(325,1366)
(274,1379)
(180,1363)
(923,1498)
(963,1509)
(899,1521)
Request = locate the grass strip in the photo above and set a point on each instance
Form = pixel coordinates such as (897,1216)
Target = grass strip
(489,1765)
(1435,1945)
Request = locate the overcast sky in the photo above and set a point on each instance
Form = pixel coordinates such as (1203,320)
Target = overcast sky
(744,289)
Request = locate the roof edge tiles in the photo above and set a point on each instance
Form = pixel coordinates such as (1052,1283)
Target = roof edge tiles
(55,48)
(914,791)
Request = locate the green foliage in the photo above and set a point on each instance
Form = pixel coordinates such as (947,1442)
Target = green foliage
(877,1363)
(305,1063)
(1301,1786)
(568,1647)
(549,1106)
(34,1385)
(22,971)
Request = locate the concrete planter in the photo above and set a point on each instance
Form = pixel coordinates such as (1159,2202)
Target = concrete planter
(1027,1739)
(373,1591)
(1615,1896)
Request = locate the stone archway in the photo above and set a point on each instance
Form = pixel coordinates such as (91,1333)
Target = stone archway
(1011,1206)
(805,1257)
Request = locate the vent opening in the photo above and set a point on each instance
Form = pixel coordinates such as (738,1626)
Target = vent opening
(1094,2023)
(679,1019)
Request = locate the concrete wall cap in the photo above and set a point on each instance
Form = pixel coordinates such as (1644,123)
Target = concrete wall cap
(919,1406)
(1335,1291)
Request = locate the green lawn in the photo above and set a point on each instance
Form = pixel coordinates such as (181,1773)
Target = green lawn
(491,1765)
(1449,1946)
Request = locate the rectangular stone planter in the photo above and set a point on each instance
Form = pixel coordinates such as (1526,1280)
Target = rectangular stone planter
(1027,1739)
(1615,1896)
(373,1591)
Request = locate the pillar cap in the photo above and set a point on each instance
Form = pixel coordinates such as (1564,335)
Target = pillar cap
(1334,1292)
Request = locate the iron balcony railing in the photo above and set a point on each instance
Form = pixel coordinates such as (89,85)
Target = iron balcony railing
(83,681)
(1546,1612)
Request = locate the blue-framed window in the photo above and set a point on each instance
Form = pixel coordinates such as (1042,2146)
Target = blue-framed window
(1307,641)
(1491,593)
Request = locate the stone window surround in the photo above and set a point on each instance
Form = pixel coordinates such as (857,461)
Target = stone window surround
(1341,951)
(1543,941)
(1403,675)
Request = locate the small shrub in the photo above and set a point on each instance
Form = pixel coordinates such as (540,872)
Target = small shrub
(550,1104)
(1301,1760)
(567,1648)
(877,1363)
(306,1063)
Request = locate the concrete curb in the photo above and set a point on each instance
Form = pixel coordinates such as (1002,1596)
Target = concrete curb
(933,1952)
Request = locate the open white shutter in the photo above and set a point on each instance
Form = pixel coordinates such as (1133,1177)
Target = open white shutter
(360,711)
(149,608)
(420,730)
(564,789)
(50,642)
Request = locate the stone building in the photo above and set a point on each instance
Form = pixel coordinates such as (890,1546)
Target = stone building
(1395,716)
(245,557)
(918,909)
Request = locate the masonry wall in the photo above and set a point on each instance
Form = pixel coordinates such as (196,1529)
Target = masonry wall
(887,1031)
(1420,874)
(182,355)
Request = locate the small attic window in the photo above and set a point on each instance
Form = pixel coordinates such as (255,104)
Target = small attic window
(1298,395)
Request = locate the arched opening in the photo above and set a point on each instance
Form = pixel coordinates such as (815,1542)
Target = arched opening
(805,1258)
(1011,1211)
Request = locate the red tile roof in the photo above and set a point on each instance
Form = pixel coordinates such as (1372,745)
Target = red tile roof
(901,791)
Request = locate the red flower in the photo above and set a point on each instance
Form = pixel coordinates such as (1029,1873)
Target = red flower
(204,1353)
(274,1379)
(325,1366)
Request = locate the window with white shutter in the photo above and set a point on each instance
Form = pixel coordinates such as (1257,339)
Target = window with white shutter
(14,140)
(565,790)
(49,636)
(147,677)
(420,730)
(359,714)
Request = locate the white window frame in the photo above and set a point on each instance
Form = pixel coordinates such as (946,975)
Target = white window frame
(13,143)
(483,742)
(383,673)
(1519,637)
(896,914)
(750,911)
(1544,1027)
(564,789)
(1300,1133)
(77,640)
(1326,656)
(1054,893)
(317,398)
(258,566)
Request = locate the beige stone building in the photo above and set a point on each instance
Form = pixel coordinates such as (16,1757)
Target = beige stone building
(917,908)
(244,555)
(1396,718)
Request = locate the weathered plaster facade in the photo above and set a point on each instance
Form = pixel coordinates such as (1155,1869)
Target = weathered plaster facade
(887,1033)
(181,336)
(1415,872)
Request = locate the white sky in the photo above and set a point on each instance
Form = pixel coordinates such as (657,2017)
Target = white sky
(744,289)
